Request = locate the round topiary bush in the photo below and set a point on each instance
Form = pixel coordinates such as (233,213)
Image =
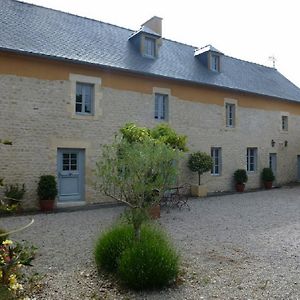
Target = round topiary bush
(111,245)
(149,263)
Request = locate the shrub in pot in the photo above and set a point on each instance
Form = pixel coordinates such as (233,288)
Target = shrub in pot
(199,162)
(47,191)
(240,178)
(267,177)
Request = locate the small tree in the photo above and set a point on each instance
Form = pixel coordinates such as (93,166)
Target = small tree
(200,162)
(136,173)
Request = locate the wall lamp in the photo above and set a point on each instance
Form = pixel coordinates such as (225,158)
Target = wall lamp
(285,143)
(272,143)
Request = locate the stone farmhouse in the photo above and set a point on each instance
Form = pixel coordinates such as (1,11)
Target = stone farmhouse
(68,83)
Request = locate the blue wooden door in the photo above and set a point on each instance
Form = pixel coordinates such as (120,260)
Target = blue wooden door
(70,174)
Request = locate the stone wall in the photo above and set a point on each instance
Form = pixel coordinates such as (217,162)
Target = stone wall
(38,117)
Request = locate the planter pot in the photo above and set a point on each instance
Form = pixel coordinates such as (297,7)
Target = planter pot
(268,185)
(47,205)
(240,187)
(199,190)
(154,211)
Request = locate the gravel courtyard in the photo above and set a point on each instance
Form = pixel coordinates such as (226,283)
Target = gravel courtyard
(242,246)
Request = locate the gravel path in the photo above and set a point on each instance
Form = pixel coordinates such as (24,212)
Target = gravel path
(244,246)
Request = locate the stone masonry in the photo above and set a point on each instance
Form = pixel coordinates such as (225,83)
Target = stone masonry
(38,117)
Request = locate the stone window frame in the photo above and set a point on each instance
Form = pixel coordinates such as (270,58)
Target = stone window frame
(167,93)
(282,116)
(219,157)
(229,101)
(97,96)
(255,163)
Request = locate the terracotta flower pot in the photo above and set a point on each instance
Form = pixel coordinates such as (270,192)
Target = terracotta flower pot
(240,187)
(154,211)
(47,205)
(268,185)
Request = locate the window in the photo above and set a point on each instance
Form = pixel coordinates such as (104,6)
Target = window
(215,62)
(251,159)
(230,115)
(284,123)
(149,47)
(84,98)
(69,161)
(216,157)
(161,107)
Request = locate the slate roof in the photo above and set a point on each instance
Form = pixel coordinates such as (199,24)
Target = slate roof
(41,31)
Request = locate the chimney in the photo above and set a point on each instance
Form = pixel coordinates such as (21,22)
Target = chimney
(155,24)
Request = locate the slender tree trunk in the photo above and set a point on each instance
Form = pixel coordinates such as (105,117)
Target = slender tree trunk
(199,177)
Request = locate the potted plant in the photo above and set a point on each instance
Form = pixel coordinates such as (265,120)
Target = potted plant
(240,177)
(199,162)
(13,195)
(267,177)
(47,191)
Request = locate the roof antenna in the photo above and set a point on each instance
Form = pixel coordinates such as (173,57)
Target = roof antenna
(273,59)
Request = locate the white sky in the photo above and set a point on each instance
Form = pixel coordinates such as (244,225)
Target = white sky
(251,30)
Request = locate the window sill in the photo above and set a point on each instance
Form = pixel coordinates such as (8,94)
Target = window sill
(250,173)
(215,175)
(84,116)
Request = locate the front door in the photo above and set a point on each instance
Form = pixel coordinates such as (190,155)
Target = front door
(273,164)
(70,168)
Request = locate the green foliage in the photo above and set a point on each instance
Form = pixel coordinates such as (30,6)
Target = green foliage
(3,235)
(47,189)
(111,245)
(267,174)
(14,191)
(133,133)
(149,263)
(13,257)
(132,171)
(162,133)
(240,176)
(200,162)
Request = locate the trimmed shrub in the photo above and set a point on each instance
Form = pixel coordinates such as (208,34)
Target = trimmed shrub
(267,174)
(149,263)
(111,245)
(240,176)
(47,189)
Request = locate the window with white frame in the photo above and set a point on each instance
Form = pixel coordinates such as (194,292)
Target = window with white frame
(149,47)
(230,114)
(84,98)
(215,62)
(161,107)
(217,160)
(251,159)
(284,123)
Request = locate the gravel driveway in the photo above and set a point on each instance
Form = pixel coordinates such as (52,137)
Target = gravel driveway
(242,246)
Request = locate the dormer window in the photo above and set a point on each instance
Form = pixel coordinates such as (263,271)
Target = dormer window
(215,62)
(210,57)
(149,47)
(147,40)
